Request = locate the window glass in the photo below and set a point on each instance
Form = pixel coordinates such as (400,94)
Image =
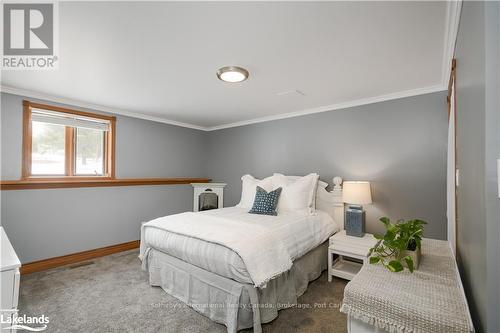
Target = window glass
(66,144)
(47,149)
(89,149)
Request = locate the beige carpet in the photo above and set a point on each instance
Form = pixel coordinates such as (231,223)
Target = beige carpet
(112,294)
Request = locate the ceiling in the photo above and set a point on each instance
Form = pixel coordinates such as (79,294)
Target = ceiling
(158,60)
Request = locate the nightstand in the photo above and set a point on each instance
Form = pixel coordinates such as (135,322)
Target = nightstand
(352,254)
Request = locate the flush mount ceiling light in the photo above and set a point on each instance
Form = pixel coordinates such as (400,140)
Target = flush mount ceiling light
(232,74)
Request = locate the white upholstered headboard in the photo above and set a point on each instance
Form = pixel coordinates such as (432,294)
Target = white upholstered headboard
(331,202)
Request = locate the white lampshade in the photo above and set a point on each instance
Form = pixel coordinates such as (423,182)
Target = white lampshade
(357,193)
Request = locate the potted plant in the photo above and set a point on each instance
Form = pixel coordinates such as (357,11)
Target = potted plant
(400,246)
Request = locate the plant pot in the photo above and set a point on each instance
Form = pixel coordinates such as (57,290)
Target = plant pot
(415,255)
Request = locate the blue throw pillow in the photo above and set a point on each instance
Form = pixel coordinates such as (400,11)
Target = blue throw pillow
(265,203)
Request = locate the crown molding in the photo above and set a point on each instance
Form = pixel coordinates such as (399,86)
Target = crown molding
(332,107)
(325,108)
(77,103)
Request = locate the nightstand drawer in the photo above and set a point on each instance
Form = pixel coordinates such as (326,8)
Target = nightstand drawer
(350,250)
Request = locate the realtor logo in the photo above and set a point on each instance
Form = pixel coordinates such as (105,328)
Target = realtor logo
(10,320)
(29,35)
(28,29)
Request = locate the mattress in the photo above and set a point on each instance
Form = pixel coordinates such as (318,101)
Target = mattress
(299,232)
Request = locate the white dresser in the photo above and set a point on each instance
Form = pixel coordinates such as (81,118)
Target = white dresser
(9,278)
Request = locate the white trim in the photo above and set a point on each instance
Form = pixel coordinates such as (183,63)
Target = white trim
(345,105)
(451,177)
(452,22)
(80,104)
(326,108)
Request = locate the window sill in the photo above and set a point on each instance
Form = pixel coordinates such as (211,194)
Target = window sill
(41,183)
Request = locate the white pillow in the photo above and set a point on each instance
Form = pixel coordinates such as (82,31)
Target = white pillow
(297,195)
(249,188)
(321,187)
(321,184)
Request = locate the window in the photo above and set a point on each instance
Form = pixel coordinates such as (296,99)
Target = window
(63,143)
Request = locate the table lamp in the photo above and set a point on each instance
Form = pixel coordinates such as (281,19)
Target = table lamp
(356,194)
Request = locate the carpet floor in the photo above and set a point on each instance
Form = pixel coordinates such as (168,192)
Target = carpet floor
(112,294)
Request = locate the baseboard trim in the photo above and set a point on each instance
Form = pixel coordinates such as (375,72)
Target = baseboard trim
(45,264)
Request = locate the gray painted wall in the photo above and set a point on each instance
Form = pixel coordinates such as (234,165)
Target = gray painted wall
(471,222)
(48,223)
(492,153)
(478,147)
(399,145)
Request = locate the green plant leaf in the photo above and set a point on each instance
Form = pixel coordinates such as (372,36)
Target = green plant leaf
(385,220)
(409,263)
(378,236)
(399,237)
(395,266)
(389,235)
(374,260)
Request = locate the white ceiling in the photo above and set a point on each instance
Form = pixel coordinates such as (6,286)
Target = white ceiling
(157,60)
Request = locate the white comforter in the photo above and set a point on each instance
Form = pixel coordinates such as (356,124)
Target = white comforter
(230,242)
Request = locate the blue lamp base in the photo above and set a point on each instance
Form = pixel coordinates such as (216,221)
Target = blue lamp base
(355,221)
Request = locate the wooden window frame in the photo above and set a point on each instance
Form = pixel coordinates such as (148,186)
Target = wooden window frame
(109,146)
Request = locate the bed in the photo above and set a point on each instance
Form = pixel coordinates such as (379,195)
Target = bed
(236,268)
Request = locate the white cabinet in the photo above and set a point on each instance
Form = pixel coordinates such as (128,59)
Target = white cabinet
(345,246)
(208,196)
(9,278)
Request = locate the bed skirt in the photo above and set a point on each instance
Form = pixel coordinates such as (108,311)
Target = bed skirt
(233,304)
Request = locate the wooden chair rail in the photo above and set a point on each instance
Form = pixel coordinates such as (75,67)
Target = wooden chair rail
(32,184)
